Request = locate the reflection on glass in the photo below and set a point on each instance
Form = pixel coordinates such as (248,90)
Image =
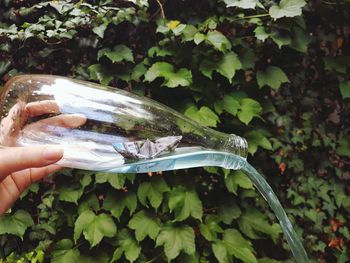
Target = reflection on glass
(102,128)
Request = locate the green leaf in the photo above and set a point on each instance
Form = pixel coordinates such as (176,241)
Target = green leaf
(176,239)
(70,193)
(94,227)
(235,179)
(100,30)
(145,224)
(248,58)
(255,224)
(116,202)
(199,38)
(244,4)
(345,89)
(117,181)
(257,139)
(237,246)
(249,108)
(229,211)
(220,252)
(15,224)
(228,65)
(117,54)
(287,8)
(260,33)
(337,64)
(210,228)
(89,203)
(101,74)
(126,244)
(300,40)
(204,115)
(272,76)
(172,79)
(218,40)
(185,203)
(152,191)
(230,105)
(63,252)
(233,244)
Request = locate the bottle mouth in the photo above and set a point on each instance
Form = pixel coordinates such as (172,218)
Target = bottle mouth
(236,145)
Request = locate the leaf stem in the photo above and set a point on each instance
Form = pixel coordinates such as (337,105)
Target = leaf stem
(153,259)
(253,16)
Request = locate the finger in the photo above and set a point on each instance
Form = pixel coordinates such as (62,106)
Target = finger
(38,108)
(14,159)
(26,177)
(63,120)
(13,185)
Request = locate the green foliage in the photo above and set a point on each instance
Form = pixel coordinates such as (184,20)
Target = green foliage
(16,224)
(271,76)
(276,72)
(94,227)
(176,239)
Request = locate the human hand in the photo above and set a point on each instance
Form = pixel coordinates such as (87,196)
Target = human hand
(15,126)
(22,166)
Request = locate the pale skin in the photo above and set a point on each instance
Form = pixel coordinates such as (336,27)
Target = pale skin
(22,166)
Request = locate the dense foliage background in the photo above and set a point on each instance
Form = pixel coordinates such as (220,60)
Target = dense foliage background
(274,72)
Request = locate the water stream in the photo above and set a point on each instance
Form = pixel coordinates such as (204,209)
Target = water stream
(197,157)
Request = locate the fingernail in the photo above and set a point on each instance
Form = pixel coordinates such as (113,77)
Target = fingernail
(52,153)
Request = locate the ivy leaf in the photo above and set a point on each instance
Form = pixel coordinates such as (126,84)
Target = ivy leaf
(15,224)
(199,38)
(145,224)
(210,228)
(337,64)
(287,8)
(220,252)
(249,108)
(101,74)
(260,33)
(185,203)
(100,30)
(247,58)
(153,192)
(94,227)
(127,245)
(63,252)
(117,181)
(229,211)
(70,193)
(204,115)
(272,76)
(176,239)
(233,244)
(257,139)
(300,40)
(218,40)
(345,89)
(235,179)
(244,4)
(228,65)
(254,224)
(230,105)
(117,54)
(183,77)
(91,202)
(116,202)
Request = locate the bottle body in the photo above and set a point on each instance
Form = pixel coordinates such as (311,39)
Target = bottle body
(100,128)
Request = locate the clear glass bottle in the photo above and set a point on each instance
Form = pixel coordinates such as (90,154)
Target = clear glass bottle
(103,128)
